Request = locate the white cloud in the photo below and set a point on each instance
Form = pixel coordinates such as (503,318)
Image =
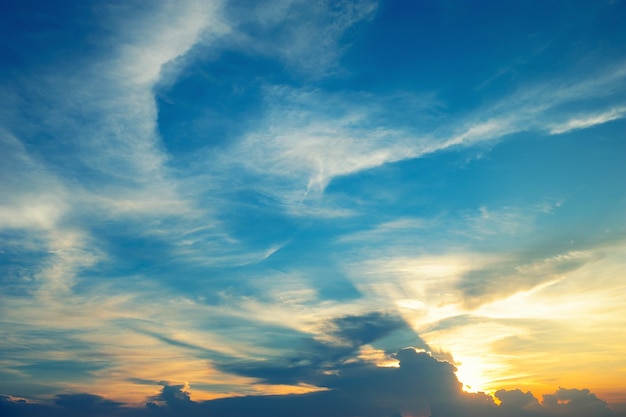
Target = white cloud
(308,137)
(588,120)
(477,132)
(423,286)
(108,163)
(162,33)
(305,35)
(121,142)
(502,220)
(389,231)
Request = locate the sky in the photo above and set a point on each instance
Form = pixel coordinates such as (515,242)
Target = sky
(344,208)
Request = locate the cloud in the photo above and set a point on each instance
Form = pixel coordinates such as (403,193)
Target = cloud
(54,190)
(71,405)
(575,402)
(513,401)
(420,386)
(87,403)
(501,279)
(309,137)
(564,402)
(144,51)
(387,230)
(361,389)
(523,300)
(337,340)
(590,120)
(176,396)
(361,330)
(103,176)
(305,35)
(99,229)
(301,150)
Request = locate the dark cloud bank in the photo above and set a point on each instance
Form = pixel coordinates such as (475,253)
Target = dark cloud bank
(421,386)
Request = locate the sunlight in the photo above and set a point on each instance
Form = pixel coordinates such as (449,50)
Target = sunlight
(470,372)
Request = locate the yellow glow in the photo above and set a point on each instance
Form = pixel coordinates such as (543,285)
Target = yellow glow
(470,372)
(263,389)
(560,333)
(369,354)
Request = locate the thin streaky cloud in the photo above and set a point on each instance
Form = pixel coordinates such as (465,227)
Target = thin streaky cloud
(301,155)
(279,207)
(590,120)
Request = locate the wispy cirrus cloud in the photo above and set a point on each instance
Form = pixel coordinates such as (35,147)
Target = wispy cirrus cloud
(106,161)
(309,137)
(102,171)
(306,36)
(128,265)
(589,120)
(107,179)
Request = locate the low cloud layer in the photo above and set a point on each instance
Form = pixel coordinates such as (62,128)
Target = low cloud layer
(420,386)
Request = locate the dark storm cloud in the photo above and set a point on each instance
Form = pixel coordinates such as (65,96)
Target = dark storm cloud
(420,386)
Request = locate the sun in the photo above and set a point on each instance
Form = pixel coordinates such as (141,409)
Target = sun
(470,372)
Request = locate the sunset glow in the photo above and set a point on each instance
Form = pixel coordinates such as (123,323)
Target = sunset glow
(294,208)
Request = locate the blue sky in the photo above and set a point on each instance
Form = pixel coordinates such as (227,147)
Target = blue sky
(213,207)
